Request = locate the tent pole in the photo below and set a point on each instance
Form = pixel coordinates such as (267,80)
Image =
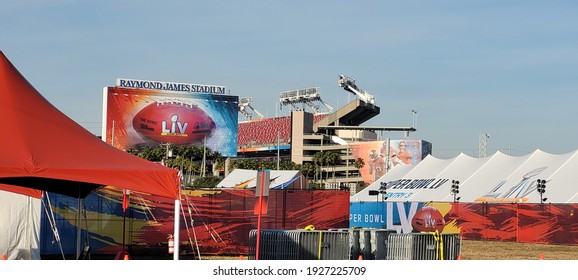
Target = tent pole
(123,230)
(176,233)
(78,231)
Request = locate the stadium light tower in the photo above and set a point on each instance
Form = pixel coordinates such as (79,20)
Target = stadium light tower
(348,84)
(245,103)
(303,96)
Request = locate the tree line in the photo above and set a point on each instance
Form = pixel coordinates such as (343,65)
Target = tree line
(201,167)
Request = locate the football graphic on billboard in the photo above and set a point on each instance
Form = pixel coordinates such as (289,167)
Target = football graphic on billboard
(428,219)
(175,123)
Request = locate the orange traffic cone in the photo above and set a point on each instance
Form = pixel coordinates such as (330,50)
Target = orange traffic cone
(241,257)
(360,257)
(126,258)
(542,256)
(460,257)
(4,257)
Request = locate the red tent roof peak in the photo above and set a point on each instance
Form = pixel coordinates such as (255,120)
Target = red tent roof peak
(46,150)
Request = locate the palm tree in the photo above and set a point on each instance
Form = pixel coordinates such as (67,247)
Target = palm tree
(319,160)
(308,170)
(332,158)
(359,163)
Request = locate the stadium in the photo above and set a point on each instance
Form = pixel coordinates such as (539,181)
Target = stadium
(109,202)
(308,130)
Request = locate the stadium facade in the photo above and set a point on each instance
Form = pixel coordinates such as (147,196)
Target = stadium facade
(301,135)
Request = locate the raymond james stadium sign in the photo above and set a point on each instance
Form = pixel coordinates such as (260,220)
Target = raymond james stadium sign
(170,86)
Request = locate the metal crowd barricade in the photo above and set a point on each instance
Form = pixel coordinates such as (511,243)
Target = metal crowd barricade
(300,245)
(380,242)
(423,246)
(365,244)
(344,244)
(354,243)
(275,245)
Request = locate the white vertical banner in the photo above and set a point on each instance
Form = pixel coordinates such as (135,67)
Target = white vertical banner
(263,177)
(177,228)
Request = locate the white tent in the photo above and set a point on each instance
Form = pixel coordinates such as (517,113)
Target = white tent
(20,226)
(279,179)
(497,178)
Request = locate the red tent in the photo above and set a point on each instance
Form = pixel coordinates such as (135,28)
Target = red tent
(44,150)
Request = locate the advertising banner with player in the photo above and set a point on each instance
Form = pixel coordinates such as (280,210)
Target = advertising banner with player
(135,118)
(378,158)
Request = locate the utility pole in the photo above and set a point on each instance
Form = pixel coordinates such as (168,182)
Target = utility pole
(483,150)
(204,157)
(278,144)
(168,153)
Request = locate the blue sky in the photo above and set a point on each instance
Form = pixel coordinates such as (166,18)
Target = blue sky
(505,68)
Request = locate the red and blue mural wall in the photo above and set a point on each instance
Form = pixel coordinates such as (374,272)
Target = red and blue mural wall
(218,222)
(212,221)
(514,222)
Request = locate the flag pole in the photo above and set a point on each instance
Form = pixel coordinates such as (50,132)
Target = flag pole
(176,229)
(260,207)
(125,204)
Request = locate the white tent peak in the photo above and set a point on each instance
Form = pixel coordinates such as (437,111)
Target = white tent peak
(496,178)
(279,179)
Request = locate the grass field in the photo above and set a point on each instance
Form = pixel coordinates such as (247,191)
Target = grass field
(494,250)
(497,250)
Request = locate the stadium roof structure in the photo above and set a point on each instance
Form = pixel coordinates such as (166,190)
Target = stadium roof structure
(370,128)
(498,178)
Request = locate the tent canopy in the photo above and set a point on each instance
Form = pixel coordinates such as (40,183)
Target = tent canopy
(21,190)
(499,178)
(43,149)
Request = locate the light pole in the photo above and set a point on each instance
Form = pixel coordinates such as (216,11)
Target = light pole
(455,190)
(376,193)
(380,192)
(383,190)
(541,188)
(414,120)
(168,153)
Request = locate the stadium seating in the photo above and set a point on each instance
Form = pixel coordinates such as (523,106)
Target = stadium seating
(264,131)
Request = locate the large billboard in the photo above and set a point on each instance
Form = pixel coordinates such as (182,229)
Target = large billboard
(379,157)
(137,117)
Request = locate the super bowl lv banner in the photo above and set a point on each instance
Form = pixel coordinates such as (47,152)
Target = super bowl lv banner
(144,117)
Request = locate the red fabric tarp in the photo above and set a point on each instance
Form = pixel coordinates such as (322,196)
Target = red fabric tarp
(44,150)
